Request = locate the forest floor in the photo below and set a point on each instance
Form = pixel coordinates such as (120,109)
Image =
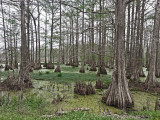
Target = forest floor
(36,103)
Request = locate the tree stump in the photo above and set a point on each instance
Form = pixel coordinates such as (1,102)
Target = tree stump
(1,66)
(37,66)
(93,68)
(99,84)
(8,67)
(83,89)
(58,69)
(45,65)
(103,71)
(50,65)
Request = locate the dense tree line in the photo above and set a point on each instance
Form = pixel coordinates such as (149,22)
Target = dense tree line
(122,35)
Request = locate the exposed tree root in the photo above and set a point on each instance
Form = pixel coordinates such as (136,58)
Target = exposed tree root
(7,67)
(58,99)
(3,87)
(83,89)
(67,64)
(137,85)
(45,65)
(62,112)
(75,64)
(100,85)
(93,68)
(37,66)
(1,66)
(82,70)
(58,69)
(103,70)
(12,83)
(50,65)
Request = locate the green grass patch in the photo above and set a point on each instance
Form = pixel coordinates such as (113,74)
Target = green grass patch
(70,77)
(152,115)
(59,74)
(47,72)
(32,107)
(69,74)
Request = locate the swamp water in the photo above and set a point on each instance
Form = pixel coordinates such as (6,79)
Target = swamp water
(48,90)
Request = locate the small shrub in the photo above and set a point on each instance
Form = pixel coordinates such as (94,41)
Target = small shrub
(40,73)
(59,75)
(33,102)
(73,66)
(47,72)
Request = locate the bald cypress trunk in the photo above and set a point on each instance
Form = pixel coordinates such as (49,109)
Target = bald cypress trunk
(103,70)
(141,73)
(45,49)
(151,78)
(5,40)
(118,93)
(58,68)
(93,63)
(77,40)
(82,70)
(50,64)
(39,38)
(135,71)
(24,80)
(128,60)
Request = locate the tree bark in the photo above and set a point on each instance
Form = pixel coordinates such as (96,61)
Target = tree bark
(118,93)
(82,70)
(77,39)
(50,64)
(58,69)
(4,36)
(151,78)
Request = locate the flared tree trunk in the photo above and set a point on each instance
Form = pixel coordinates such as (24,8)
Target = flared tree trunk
(24,76)
(23,80)
(118,93)
(151,78)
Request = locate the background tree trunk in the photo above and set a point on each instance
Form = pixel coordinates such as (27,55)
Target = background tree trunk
(82,70)
(58,69)
(151,78)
